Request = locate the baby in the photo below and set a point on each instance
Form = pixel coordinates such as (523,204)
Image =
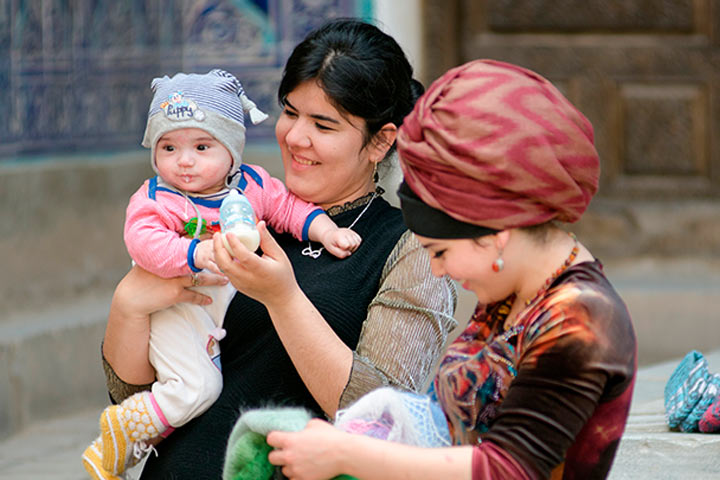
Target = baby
(196,134)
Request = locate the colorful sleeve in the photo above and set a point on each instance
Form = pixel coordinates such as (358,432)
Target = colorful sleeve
(282,210)
(152,240)
(413,311)
(569,357)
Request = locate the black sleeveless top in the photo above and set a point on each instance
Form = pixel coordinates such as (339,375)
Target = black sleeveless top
(257,370)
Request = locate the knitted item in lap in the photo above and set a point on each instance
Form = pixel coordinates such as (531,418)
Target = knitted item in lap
(247,451)
(396,416)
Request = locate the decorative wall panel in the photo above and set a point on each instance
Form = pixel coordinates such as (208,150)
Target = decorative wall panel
(645,72)
(75,75)
(664,130)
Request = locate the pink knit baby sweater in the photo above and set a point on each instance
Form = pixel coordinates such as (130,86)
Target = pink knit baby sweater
(156,216)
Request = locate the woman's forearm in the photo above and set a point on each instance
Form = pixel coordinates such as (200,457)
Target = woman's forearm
(322,451)
(320,357)
(371,459)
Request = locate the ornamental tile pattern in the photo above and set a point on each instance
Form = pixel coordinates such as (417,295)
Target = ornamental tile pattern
(75,75)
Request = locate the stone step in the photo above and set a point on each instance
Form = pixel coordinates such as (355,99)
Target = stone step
(674,303)
(648,449)
(50,362)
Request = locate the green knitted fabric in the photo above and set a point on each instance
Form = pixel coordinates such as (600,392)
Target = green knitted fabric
(247,450)
(249,459)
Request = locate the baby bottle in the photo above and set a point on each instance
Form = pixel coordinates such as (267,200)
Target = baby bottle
(237,217)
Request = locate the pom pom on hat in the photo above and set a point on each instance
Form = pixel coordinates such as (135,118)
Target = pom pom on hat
(256,115)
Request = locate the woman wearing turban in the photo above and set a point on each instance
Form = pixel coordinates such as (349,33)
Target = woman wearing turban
(539,384)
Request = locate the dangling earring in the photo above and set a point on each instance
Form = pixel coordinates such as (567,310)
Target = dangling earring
(374,174)
(499,263)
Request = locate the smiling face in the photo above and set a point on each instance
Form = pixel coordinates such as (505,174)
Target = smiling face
(325,159)
(469,262)
(192,160)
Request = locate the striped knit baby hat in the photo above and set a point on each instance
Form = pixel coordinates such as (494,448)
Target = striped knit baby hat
(214,102)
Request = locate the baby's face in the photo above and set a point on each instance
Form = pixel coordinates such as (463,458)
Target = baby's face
(192,160)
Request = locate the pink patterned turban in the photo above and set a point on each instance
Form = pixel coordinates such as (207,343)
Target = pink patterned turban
(496,145)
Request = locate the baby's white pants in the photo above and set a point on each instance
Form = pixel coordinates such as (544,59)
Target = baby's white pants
(185,352)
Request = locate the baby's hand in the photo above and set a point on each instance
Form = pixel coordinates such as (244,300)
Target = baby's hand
(205,257)
(341,242)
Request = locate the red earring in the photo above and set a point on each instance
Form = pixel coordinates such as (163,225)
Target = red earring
(499,263)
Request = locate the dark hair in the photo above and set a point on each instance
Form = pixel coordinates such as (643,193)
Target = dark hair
(362,70)
(540,233)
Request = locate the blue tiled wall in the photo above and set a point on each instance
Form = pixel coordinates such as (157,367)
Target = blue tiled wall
(75,75)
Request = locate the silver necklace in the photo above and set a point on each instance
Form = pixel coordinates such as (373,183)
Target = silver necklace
(309,252)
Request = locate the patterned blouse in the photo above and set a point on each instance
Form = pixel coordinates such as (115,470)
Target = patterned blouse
(549,396)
